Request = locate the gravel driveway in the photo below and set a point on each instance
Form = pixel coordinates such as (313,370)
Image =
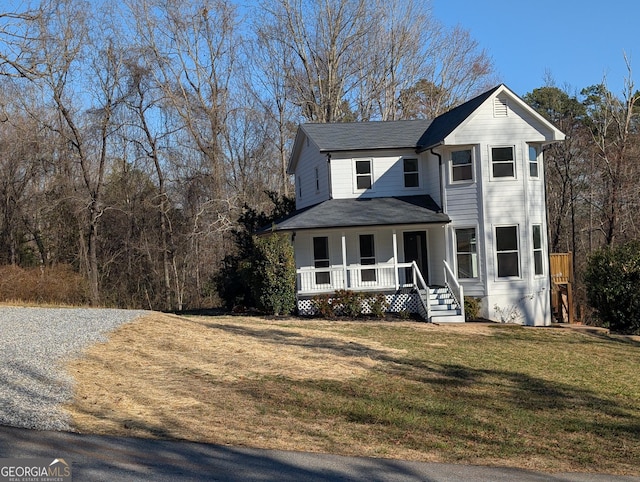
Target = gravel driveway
(34,344)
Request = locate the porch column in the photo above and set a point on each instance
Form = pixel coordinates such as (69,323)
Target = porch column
(395,260)
(344,260)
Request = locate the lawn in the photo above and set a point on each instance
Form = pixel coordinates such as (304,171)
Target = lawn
(490,394)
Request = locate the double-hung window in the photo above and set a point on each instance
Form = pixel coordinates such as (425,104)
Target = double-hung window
(461,166)
(364,174)
(507,252)
(533,162)
(537,249)
(411,176)
(367,257)
(503,162)
(466,253)
(321,260)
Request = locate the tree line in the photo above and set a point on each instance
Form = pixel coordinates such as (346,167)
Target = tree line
(593,199)
(135,134)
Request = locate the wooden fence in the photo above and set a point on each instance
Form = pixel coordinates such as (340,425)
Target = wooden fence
(562,286)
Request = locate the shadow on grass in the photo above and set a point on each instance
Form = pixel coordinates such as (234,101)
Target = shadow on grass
(304,340)
(455,411)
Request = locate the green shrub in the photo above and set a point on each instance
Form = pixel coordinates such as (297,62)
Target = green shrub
(324,306)
(471,308)
(612,279)
(236,280)
(274,275)
(348,303)
(379,305)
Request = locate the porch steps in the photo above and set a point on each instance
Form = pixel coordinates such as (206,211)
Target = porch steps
(444,308)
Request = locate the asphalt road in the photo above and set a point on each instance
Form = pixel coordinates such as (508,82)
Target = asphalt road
(99,458)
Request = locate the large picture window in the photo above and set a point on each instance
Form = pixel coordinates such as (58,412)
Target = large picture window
(321,259)
(461,167)
(363,174)
(507,251)
(466,253)
(367,256)
(503,162)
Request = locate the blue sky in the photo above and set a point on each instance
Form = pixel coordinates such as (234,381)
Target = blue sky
(578,42)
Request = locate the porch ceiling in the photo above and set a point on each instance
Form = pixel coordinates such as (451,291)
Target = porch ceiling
(383,211)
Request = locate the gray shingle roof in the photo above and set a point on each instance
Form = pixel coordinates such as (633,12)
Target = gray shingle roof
(419,134)
(348,136)
(445,124)
(336,213)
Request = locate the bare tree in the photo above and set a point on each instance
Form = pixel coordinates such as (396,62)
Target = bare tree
(354,60)
(614,126)
(323,41)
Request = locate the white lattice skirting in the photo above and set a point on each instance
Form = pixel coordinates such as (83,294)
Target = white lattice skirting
(398,302)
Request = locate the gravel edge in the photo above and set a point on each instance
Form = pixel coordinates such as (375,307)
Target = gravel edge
(35,343)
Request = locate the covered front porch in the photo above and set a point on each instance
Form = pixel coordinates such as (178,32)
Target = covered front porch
(406,264)
(391,245)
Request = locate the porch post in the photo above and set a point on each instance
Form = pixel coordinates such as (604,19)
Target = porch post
(395,260)
(344,260)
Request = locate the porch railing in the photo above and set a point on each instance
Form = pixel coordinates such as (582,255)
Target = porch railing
(377,277)
(358,277)
(456,289)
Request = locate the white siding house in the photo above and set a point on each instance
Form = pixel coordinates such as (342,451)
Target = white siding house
(427,212)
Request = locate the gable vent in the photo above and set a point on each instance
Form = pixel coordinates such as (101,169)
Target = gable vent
(500,107)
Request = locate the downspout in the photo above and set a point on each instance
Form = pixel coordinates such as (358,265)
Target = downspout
(330,187)
(541,167)
(439,156)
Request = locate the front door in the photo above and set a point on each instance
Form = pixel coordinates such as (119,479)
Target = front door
(415,249)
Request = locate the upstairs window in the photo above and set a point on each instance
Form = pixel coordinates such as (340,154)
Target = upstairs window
(461,166)
(411,176)
(507,252)
(533,161)
(364,174)
(317,179)
(503,162)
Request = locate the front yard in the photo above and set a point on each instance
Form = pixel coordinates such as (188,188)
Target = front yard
(489,394)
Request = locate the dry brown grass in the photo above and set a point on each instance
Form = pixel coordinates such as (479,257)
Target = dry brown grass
(193,379)
(487,394)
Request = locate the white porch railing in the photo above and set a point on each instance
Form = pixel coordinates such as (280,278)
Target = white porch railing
(376,277)
(385,276)
(454,286)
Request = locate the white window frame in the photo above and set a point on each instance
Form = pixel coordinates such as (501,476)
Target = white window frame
(535,161)
(405,172)
(512,162)
(471,164)
(373,258)
(473,255)
(317,174)
(321,261)
(517,251)
(539,250)
(356,175)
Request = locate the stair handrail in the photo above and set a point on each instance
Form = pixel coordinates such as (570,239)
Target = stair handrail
(420,283)
(458,293)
